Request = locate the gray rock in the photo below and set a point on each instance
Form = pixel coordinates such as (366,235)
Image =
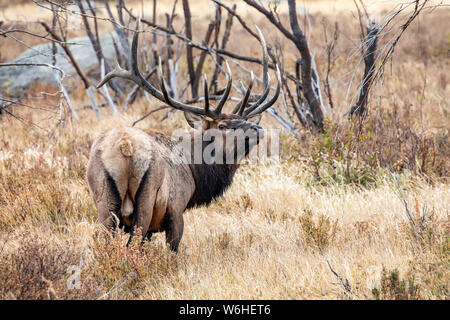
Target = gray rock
(15,80)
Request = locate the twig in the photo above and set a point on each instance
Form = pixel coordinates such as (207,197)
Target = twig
(149,113)
(330,64)
(345,284)
(34,65)
(241,21)
(105,88)
(66,97)
(405,203)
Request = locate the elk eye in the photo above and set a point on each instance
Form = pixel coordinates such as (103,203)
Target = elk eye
(222,127)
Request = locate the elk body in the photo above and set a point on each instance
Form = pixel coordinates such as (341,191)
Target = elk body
(133,175)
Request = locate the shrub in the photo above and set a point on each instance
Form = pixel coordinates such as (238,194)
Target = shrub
(394,288)
(37,268)
(318,232)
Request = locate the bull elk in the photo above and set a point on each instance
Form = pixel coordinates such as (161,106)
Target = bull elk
(133,178)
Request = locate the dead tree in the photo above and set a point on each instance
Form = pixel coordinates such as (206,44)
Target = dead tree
(189,54)
(95,41)
(304,79)
(120,31)
(371,39)
(225,38)
(297,37)
(301,89)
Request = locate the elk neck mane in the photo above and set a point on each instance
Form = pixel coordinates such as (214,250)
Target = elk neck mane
(211,181)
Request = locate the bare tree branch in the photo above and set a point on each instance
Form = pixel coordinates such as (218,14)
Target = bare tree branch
(189,55)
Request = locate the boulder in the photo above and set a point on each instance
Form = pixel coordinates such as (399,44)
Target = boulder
(15,80)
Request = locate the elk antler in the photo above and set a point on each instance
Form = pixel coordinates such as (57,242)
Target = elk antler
(227,90)
(259,106)
(240,109)
(135,75)
(263,107)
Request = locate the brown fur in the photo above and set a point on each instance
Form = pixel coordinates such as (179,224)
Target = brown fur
(132,175)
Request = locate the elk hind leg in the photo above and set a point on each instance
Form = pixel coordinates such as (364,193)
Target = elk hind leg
(174,226)
(144,203)
(106,197)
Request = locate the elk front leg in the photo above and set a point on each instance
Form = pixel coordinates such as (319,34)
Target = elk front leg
(174,230)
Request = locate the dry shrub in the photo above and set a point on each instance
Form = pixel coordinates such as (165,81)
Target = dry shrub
(38,194)
(121,272)
(36,268)
(318,232)
(430,231)
(393,288)
(431,278)
(44,181)
(422,280)
(427,275)
(360,152)
(42,267)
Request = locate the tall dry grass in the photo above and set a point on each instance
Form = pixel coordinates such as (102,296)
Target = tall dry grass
(330,202)
(270,236)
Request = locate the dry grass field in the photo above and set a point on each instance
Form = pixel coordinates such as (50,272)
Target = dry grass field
(329,204)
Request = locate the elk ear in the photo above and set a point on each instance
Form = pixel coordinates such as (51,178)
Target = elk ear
(193,120)
(255,119)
